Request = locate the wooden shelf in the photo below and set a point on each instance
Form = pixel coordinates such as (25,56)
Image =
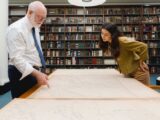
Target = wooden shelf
(70,29)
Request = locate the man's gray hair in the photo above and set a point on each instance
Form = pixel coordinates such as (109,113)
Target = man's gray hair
(33,6)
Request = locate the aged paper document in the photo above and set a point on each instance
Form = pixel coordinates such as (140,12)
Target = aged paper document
(31,109)
(93,84)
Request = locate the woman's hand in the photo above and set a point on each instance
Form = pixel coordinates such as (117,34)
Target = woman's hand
(143,66)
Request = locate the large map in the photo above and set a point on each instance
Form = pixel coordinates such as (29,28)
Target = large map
(93,83)
(87,94)
(22,109)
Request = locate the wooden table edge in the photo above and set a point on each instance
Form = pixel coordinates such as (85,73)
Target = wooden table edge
(33,89)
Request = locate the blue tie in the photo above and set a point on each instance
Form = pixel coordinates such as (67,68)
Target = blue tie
(38,48)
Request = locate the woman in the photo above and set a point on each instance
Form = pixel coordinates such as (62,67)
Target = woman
(129,54)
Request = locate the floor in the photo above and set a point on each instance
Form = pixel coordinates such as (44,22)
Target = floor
(6,98)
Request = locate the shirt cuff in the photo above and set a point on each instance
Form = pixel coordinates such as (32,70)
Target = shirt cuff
(27,71)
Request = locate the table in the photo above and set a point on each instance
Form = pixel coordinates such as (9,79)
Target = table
(86,94)
(93,84)
(40,109)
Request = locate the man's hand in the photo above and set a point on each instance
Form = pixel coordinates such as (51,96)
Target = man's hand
(41,78)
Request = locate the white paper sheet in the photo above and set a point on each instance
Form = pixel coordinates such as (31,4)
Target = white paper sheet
(93,83)
(31,109)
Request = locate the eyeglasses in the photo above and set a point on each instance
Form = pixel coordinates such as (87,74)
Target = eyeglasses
(39,17)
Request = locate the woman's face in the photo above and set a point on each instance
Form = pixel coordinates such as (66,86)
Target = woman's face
(106,36)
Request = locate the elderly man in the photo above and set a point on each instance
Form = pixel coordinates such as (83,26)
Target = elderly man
(25,53)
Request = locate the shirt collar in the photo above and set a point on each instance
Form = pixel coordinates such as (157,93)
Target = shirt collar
(28,23)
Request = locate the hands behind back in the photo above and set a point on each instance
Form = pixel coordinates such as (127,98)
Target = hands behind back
(143,66)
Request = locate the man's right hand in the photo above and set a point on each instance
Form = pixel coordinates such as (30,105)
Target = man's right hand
(41,78)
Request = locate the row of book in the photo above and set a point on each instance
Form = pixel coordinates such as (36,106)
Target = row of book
(154,52)
(155,60)
(99,20)
(154,44)
(73,53)
(152,10)
(129,28)
(96,28)
(74,20)
(74,11)
(87,28)
(69,37)
(106,10)
(151,36)
(70,45)
(134,35)
(151,19)
(86,53)
(154,70)
(151,28)
(74,61)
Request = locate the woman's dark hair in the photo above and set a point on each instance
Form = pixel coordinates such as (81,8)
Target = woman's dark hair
(115,33)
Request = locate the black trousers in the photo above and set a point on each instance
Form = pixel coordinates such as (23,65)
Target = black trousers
(18,87)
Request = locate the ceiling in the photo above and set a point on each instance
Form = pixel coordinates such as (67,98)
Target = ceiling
(110,2)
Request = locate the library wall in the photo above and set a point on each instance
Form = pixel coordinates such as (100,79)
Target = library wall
(70,34)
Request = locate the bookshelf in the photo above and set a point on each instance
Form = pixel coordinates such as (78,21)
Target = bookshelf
(70,34)
(151,31)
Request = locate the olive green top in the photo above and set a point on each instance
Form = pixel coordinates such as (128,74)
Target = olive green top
(131,52)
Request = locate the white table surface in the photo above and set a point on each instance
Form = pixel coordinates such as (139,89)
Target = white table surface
(87,94)
(40,109)
(93,84)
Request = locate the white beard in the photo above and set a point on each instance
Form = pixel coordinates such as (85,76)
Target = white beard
(32,19)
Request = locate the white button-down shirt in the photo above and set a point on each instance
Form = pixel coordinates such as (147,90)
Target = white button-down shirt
(21,47)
